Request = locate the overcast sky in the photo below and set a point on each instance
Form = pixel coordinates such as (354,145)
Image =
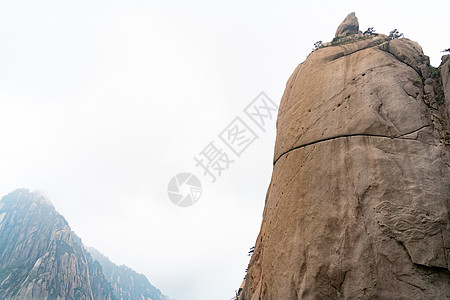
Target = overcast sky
(103,102)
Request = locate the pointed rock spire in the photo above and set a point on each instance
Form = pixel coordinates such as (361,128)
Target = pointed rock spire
(349,26)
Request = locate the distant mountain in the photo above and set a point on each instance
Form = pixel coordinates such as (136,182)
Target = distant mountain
(126,283)
(41,258)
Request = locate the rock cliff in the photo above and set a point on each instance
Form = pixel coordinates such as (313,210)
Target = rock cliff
(41,258)
(358,204)
(125,282)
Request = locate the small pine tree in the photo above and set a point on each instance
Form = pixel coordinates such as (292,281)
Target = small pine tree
(394,34)
(317,45)
(370,31)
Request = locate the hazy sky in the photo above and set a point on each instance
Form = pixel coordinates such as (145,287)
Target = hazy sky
(103,102)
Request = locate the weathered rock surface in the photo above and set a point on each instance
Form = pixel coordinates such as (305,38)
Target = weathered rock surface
(410,53)
(41,258)
(358,206)
(125,282)
(445,76)
(349,26)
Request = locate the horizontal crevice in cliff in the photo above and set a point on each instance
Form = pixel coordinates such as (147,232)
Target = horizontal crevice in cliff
(351,135)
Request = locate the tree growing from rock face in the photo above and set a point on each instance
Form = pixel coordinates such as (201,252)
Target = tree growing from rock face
(317,45)
(394,34)
(370,31)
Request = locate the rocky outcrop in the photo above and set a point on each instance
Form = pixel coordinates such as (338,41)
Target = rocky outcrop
(358,204)
(410,53)
(126,283)
(445,77)
(349,26)
(41,258)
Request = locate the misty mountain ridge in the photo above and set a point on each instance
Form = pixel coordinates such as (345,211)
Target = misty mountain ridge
(42,258)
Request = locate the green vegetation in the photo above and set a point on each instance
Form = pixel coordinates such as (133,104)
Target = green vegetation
(349,39)
(370,31)
(343,40)
(435,74)
(395,34)
(317,45)
(336,41)
(236,297)
(447,138)
(446,50)
(417,80)
(368,34)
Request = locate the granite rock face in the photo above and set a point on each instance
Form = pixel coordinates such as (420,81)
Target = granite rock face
(358,205)
(445,77)
(41,258)
(349,26)
(125,282)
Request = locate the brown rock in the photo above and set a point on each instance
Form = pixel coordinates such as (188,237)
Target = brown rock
(358,204)
(445,76)
(349,26)
(410,53)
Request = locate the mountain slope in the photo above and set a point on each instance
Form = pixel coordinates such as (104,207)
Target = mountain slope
(358,205)
(41,258)
(126,283)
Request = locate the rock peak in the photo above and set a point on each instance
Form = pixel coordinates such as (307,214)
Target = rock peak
(349,26)
(351,121)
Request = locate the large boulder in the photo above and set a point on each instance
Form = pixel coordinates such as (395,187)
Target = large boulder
(349,26)
(358,204)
